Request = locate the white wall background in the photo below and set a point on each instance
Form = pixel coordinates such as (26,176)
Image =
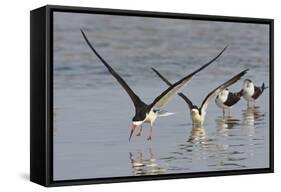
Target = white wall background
(14,95)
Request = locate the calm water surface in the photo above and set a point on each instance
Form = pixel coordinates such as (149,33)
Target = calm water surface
(93,113)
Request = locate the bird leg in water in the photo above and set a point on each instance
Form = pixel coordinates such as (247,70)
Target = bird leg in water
(140,131)
(229,112)
(223,112)
(150,133)
(248,104)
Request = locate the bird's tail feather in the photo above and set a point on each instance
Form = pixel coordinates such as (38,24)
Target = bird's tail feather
(240,93)
(263,87)
(163,113)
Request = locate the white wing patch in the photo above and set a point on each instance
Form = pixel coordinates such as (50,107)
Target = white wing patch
(166,98)
(210,98)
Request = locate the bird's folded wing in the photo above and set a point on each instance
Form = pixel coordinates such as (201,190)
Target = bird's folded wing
(232,99)
(258,91)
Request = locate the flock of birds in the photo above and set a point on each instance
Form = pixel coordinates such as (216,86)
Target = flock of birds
(148,113)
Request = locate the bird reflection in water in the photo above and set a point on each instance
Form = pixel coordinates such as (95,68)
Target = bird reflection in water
(252,116)
(226,122)
(198,143)
(223,132)
(198,148)
(198,135)
(145,166)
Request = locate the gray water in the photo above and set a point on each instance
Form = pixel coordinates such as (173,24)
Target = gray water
(93,113)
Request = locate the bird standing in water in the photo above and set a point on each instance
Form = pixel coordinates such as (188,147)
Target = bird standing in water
(250,92)
(226,100)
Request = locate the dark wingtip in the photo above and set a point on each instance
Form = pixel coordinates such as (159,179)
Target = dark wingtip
(245,71)
(263,86)
(131,135)
(225,48)
(222,51)
(85,37)
(154,69)
(81,30)
(157,73)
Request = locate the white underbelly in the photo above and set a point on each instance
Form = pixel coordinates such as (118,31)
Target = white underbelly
(248,97)
(150,117)
(220,103)
(197,119)
(248,93)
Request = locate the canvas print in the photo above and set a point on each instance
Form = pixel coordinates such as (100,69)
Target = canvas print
(137,96)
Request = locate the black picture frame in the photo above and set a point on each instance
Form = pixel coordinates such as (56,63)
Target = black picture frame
(41,108)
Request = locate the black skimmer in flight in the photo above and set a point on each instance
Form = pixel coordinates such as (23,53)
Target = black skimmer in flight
(147,113)
(198,113)
(226,100)
(251,92)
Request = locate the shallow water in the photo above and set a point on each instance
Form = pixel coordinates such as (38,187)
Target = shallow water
(93,114)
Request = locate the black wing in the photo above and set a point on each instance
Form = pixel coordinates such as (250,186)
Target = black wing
(240,93)
(232,99)
(187,77)
(184,97)
(136,100)
(216,91)
(258,92)
(165,96)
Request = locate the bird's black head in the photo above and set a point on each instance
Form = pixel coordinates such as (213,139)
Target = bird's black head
(137,120)
(248,83)
(195,110)
(138,117)
(195,107)
(248,80)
